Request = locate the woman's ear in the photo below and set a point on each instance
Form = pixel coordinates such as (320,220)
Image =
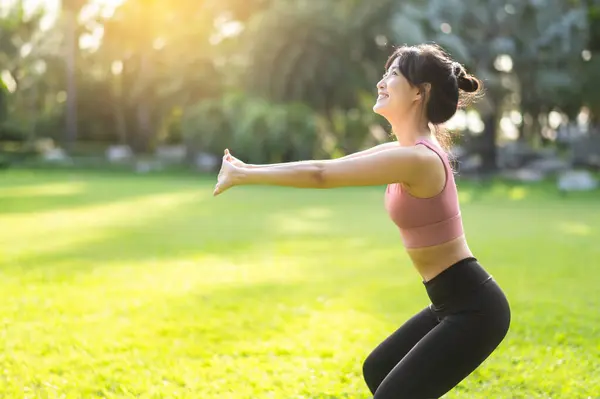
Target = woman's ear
(423,93)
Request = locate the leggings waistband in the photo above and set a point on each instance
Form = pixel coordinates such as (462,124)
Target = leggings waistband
(455,282)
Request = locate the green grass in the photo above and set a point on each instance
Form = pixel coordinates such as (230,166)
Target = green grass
(119,286)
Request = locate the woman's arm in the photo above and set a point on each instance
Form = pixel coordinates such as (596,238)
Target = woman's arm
(372,150)
(400,164)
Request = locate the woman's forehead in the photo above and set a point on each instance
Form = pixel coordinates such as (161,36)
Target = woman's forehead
(395,63)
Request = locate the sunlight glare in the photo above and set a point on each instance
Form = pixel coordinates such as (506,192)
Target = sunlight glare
(117,67)
(91,41)
(517,193)
(508,128)
(575,228)
(9,82)
(105,8)
(51,189)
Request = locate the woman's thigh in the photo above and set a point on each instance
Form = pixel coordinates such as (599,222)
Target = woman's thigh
(450,351)
(390,352)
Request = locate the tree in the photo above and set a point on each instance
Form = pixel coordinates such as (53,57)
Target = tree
(165,63)
(325,55)
(70,11)
(542,39)
(21,43)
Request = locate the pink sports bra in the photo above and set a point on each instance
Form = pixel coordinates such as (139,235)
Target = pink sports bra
(425,222)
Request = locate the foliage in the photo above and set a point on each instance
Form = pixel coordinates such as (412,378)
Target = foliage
(3,102)
(158,61)
(543,39)
(21,54)
(594,23)
(589,88)
(256,130)
(303,52)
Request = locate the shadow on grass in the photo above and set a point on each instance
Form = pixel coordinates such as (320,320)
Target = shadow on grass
(221,226)
(242,222)
(44,192)
(31,191)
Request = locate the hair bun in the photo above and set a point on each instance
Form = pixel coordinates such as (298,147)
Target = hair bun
(465,82)
(468,84)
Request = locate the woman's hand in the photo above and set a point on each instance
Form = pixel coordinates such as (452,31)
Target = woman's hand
(229,175)
(236,162)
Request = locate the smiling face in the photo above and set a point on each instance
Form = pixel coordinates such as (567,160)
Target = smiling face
(396,96)
(423,87)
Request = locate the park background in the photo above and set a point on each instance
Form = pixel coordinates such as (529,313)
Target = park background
(122,277)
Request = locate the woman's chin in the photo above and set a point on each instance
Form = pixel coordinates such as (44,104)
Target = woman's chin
(379,108)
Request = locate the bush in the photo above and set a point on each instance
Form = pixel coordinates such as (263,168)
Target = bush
(254,129)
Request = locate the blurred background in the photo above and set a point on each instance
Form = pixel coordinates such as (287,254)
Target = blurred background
(123,277)
(156,84)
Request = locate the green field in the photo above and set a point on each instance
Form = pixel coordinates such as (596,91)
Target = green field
(122,286)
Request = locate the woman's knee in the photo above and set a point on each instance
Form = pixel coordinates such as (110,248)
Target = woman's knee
(373,373)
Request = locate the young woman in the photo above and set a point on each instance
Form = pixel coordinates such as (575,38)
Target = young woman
(469,315)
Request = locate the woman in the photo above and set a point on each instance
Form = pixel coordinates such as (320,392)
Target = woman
(469,315)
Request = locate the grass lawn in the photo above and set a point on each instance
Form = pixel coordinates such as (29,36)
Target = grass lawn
(121,286)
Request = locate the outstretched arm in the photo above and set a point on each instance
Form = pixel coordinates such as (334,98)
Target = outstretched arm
(407,165)
(369,151)
(372,150)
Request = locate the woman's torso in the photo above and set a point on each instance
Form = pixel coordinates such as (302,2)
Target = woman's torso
(430,226)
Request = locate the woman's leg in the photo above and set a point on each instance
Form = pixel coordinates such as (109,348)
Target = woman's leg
(388,353)
(450,351)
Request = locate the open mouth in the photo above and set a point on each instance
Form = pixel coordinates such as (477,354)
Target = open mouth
(382,96)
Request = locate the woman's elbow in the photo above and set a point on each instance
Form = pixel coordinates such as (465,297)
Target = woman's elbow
(321,177)
(325,176)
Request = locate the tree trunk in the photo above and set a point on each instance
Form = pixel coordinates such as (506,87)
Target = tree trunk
(71,71)
(144,117)
(488,149)
(118,110)
(120,124)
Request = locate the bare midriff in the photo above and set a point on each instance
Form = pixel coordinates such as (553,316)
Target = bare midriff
(431,261)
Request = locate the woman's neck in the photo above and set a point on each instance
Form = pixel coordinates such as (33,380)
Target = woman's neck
(408,132)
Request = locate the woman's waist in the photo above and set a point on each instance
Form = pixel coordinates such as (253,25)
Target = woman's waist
(457,283)
(433,260)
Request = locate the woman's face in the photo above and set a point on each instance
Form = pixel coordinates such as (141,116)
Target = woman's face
(396,95)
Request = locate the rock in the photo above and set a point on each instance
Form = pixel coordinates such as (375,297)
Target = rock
(577,180)
(55,155)
(119,153)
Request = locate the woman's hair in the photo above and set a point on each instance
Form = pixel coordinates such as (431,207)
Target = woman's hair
(451,87)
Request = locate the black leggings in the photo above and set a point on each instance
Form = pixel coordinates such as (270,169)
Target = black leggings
(441,345)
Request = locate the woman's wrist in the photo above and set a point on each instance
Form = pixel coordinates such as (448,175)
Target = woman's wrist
(245,174)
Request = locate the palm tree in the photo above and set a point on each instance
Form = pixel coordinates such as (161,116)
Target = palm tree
(323,54)
(69,13)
